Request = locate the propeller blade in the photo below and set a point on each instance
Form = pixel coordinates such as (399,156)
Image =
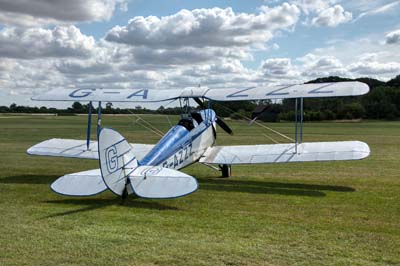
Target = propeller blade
(218,120)
(224,126)
(199,102)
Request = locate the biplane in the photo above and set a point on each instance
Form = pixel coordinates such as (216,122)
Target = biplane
(152,171)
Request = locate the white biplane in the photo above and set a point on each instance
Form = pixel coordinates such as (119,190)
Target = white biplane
(151,171)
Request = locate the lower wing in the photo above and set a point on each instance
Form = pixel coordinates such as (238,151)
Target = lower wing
(73,148)
(284,153)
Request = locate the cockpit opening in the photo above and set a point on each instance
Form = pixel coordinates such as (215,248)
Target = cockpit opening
(187,123)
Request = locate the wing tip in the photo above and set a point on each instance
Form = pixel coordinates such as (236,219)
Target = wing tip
(361,88)
(363,149)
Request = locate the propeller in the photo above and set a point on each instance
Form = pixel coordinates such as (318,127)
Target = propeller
(218,120)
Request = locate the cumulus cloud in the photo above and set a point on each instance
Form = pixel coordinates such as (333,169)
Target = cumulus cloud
(332,16)
(393,37)
(26,12)
(202,46)
(312,6)
(79,67)
(29,43)
(279,68)
(374,68)
(214,27)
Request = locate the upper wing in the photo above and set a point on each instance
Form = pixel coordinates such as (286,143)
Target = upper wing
(109,95)
(351,88)
(283,153)
(77,149)
(313,90)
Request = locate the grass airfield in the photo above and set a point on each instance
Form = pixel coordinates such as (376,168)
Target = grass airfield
(333,213)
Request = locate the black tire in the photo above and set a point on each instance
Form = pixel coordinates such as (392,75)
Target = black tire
(226,170)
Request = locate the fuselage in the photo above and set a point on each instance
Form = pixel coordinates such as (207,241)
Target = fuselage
(185,143)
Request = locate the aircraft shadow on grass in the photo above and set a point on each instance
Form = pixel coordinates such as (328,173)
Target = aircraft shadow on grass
(280,188)
(211,184)
(28,179)
(93,204)
(228,185)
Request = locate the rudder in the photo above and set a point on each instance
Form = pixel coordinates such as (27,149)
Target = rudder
(116,160)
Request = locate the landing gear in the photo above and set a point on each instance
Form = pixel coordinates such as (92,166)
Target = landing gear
(226,170)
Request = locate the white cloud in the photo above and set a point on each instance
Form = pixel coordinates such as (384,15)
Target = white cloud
(279,68)
(34,13)
(202,46)
(313,6)
(332,16)
(38,42)
(393,37)
(214,27)
(375,68)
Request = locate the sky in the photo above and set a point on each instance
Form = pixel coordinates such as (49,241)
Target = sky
(47,44)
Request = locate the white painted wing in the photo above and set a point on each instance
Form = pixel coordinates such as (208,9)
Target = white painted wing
(351,88)
(314,90)
(109,95)
(87,183)
(158,182)
(77,149)
(284,153)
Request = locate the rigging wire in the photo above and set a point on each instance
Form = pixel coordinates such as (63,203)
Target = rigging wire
(138,122)
(259,124)
(271,138)
(149,126)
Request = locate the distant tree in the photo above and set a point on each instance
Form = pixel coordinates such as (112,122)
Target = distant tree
(351,111)
(13,106)
(77,107)
(161,110)
(394,82)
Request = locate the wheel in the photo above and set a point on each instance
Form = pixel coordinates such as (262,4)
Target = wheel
(226,170)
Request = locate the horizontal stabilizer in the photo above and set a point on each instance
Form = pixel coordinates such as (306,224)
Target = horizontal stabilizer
(86,183)
(73,148)
(158,182)
(314,90)
(284,153)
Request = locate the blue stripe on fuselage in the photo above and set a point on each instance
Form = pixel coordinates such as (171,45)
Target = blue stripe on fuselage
(177,138)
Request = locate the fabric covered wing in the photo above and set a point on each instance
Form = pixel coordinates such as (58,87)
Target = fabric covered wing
(314,90)
(77,149)
(157,182)
(109,95)
(351,88)
(87,183)
(284,153)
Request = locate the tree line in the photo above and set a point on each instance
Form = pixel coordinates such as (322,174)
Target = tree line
(382,102)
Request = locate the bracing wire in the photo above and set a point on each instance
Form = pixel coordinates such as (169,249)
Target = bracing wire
(260,124)
(149,126)
(139,122)
(271,138)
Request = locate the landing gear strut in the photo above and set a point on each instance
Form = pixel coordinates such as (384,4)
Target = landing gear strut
(226,170)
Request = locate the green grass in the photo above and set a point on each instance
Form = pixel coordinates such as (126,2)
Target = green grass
(334,213)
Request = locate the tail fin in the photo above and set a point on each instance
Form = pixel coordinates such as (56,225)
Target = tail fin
(116,158)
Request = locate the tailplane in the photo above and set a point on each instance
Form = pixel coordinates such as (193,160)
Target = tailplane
(121,172)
